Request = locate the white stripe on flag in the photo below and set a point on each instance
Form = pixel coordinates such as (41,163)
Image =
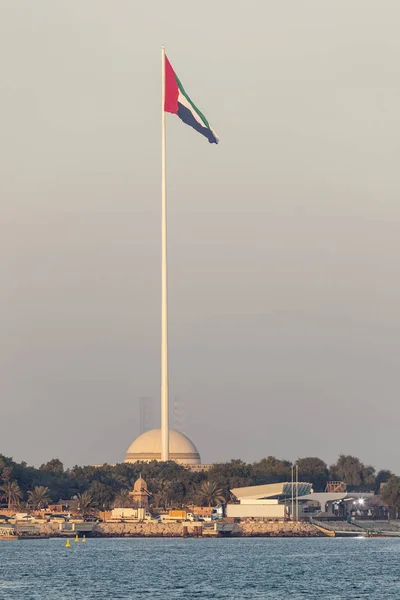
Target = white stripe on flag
(182,99)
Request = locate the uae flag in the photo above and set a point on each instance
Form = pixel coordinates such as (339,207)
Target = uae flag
(178,102)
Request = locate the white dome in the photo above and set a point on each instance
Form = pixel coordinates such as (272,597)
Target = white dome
(147,447)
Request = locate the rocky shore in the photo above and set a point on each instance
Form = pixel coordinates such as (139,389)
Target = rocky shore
(246,528)
(278,529)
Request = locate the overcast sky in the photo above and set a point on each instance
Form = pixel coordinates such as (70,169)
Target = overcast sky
(284,239)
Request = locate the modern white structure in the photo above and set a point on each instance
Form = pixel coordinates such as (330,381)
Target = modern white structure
(271,509)
(329,504)
(148,447)
(269,501)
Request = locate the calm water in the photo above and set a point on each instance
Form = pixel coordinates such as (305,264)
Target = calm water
(326,569)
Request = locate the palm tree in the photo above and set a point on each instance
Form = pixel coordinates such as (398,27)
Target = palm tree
(161,493)
(210,493)
(39,497)
(19,506)
(11,493)
(124,500)
(85,502)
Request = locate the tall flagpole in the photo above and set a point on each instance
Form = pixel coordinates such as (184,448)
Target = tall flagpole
(164,289)
(292,493)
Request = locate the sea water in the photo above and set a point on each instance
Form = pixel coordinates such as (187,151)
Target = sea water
(238,568)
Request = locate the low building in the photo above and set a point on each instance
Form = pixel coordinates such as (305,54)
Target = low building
(335,504)
(269,501)
(122,514)
(202,511)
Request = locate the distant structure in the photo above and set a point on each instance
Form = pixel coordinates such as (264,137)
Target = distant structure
(140,494)
(147,447)
(335,487)
(146,414)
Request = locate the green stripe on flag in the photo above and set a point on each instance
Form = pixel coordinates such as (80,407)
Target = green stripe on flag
(181,89)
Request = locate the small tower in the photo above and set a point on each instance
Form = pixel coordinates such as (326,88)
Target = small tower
(140,494)
(336,487)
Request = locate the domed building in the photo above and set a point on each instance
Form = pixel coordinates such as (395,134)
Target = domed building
(147,447)
(140,494)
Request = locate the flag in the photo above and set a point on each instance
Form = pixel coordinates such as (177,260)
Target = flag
(178,102)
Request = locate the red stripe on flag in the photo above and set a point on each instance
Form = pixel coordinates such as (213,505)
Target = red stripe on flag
(171,89)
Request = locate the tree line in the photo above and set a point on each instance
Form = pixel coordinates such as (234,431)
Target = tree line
(170,484)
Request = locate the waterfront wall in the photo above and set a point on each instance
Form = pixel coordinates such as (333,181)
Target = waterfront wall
(278,529)
(145,529)
(246,528)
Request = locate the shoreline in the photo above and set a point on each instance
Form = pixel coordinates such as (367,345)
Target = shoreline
(245,529)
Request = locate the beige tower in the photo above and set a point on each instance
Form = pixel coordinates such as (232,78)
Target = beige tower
(140,494)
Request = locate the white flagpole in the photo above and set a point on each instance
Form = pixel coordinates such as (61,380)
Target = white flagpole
(292,493)
(164,289)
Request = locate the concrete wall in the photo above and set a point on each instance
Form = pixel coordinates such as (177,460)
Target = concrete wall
(268,511)
(147,529)
(246,528)
(278,529)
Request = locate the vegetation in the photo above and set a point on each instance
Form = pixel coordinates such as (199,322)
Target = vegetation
(210,494)
(390,494)
(123,500)
(86,502)
(38,497)
(172,485)
(11,493)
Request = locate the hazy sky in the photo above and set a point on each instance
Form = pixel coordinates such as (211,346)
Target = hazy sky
(284,240)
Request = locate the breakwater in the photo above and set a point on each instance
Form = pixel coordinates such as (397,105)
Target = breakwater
(245,528)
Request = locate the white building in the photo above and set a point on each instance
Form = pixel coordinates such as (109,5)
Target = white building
(147,447)
(269,501)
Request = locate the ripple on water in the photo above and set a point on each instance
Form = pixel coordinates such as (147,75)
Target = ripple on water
(221,569)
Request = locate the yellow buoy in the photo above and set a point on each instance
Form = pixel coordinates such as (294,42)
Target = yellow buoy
(77,538)
(68,544)
(84,539)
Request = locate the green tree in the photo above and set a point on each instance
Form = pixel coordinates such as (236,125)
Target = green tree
(11,493)
(313,470)
(271,470)
(39,497)
(232,474)
(161,492)
(210,493)
(85,503)
(124,500)
(178,493)
(354,473)
(6,473)
(390,493)
(382,477)
(103,495)
(53,466)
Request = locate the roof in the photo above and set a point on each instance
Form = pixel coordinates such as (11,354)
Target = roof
(323,497)
(269,490)
(147,447)
(140,485)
